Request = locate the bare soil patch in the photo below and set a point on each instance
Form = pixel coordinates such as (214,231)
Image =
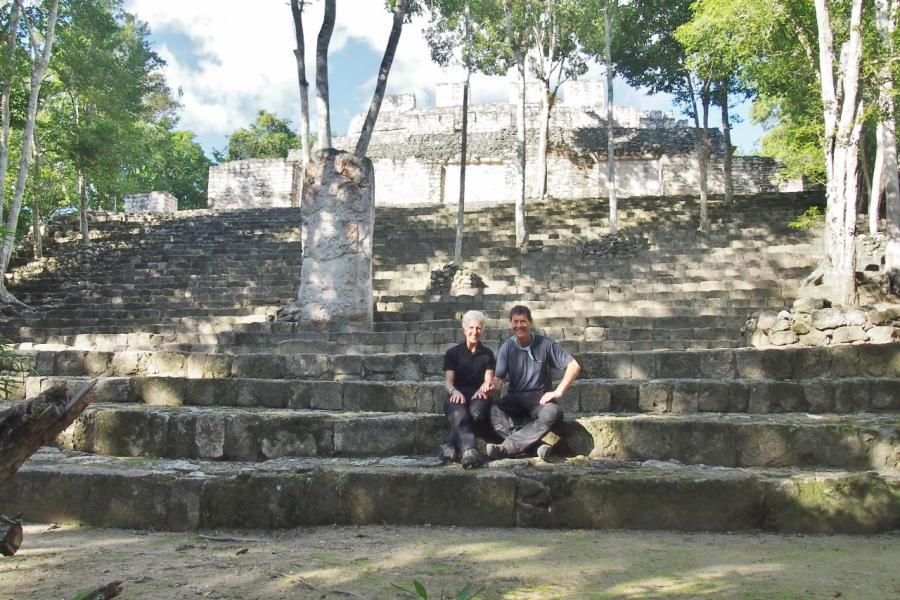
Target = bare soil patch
(328,563)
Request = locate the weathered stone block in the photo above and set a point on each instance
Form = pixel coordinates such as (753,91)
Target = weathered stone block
(295,436)
(619,365)
(167,364)
(847,335)
(777,363)
(763,446)
(129,363)
(654,397)
(717,364)
(686,396)
(211,392)
(884,316)
(209,435)
(97,363)
(810,362)
(595,397)
(338,218)
(70,362)
(814,338)
(885,394)
(851,395)
(749,364)
(819,394)
(270,393)
(347,366)
(321,395)
(783,338)
(159,391)
(242,434)
(884,334)
(845,361)
(624,397)
(308,366)
(262,366)
(674,365)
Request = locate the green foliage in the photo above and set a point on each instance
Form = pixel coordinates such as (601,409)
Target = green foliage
(268,137)
(13,368)
(808,219)
(467,593)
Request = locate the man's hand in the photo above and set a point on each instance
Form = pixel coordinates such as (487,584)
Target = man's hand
(456,397)
(550,397)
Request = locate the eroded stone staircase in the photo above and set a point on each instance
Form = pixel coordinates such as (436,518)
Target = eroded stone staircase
(208,413)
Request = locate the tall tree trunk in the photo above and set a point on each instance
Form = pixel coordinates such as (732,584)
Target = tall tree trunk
(37,244)
(521,230)
(843,125)
(543,135)
(300,56)
(886,22)
(704,159)
(726,135)
(82,209)
(365,136)
(38,70)
(323,111)
(701,157)
(464,142)
(610,127)
(11,42)
(876,189)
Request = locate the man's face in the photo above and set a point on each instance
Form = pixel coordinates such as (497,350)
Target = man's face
(521,326)
(473,330)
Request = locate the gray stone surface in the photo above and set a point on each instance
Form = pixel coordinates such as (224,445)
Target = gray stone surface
(338,219)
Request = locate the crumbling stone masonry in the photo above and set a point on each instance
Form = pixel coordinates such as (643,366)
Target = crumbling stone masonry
(151,202)
(415,153)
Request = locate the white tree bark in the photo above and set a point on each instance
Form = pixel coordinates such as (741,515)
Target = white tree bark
(11,42)
(365,136)
(699,137)
(461,207)
(521,230)
(726,135)
(843,125)
(886,22)
(41,58)
(323,109)
(610,127)
(300,55)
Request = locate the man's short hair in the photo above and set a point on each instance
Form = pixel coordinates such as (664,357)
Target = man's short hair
(519,309)
(472,315)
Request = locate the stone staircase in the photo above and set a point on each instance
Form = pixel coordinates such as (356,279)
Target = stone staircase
(207,413)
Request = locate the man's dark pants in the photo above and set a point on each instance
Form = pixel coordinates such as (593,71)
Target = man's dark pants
(521,420)
(464,419)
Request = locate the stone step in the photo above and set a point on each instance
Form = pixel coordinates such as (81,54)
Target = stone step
(788,364)
(57,486)
(854,442)
(589,396)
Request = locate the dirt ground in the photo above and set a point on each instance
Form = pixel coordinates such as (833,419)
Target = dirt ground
(329,563)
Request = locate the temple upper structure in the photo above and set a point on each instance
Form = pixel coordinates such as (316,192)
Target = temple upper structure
(416,154)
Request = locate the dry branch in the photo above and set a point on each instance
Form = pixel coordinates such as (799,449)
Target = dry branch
(33,423)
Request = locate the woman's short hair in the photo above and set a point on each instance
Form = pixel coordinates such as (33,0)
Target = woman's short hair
(472,315)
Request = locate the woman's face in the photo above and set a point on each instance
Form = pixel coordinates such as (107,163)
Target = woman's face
(473,330)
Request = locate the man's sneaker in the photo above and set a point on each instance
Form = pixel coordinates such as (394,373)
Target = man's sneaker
(470,458)
(448,453)
(495,451)
(543,451)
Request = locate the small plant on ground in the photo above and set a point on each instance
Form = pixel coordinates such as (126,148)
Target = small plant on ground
(13,368)
(807,219)
(467,593)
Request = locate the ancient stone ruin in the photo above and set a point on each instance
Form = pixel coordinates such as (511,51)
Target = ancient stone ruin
(415,153)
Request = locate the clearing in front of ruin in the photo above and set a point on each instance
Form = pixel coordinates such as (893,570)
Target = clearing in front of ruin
(367,562)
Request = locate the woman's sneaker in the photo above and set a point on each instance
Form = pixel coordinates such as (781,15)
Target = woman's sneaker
(543,451)
(448,453)
(470,458)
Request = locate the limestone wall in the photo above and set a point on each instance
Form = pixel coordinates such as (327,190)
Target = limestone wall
(415,154)
(151,202)
(254,183)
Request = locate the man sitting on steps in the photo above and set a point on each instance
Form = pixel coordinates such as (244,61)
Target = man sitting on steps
(528,410)
(468,372)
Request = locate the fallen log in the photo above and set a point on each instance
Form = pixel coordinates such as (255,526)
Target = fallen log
(28,425)
(12,534)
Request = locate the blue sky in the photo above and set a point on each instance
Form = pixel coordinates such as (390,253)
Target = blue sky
(231,58)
